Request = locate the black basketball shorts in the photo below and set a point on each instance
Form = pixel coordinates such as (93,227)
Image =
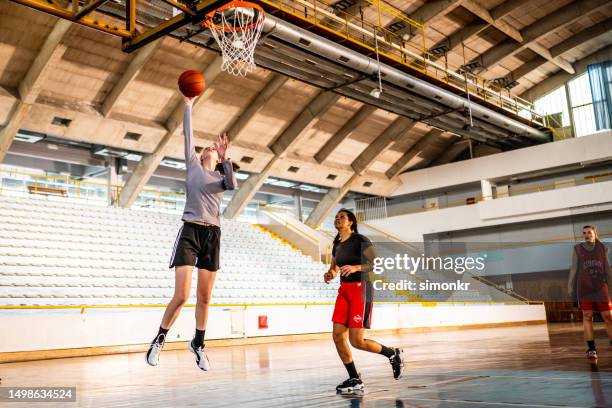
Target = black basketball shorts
(197,245)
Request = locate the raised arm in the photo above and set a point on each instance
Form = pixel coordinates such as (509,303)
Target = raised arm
(191,157)
(229,178)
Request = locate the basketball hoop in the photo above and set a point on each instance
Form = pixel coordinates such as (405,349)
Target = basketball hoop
(236,28)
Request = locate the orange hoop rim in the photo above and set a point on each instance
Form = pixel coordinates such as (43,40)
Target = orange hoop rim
(234,4)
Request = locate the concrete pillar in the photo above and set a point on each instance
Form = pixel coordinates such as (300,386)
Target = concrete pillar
(487,189)
(113,181)
(8,132)
(328,202)
(29,88)
(247,190)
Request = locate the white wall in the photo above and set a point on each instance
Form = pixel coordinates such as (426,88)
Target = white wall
(506,210)
(590,148)
(46,329)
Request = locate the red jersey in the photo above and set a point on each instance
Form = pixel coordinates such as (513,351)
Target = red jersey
(592,279)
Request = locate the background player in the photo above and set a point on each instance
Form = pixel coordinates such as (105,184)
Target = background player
(589,277)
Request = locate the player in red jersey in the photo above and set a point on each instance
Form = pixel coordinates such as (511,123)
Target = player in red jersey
(589,279)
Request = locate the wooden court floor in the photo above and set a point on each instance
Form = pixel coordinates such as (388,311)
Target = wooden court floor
(523,366)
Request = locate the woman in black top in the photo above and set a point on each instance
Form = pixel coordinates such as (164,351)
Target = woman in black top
(352,258)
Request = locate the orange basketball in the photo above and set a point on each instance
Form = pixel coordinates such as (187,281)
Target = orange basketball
(191,83)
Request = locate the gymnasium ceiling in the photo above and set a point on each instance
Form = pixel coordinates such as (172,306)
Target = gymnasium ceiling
(87,67)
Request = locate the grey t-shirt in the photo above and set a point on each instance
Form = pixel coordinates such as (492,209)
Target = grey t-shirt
(204,188)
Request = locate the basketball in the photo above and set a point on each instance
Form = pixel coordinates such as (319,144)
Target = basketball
(191,83)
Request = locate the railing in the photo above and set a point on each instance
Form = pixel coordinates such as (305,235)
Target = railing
(20,183)
(372,208)
(83,308)
(511,193)
(507,291)
(375,37)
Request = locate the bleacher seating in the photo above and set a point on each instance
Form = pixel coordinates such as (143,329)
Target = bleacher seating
(62,253)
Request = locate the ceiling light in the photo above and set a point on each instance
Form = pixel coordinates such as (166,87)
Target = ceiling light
(29,137)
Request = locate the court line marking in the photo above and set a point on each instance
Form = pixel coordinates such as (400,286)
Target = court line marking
(514,376)
(451,381)
(514,404)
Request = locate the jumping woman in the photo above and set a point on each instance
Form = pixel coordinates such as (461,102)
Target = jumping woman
(589,278)
(353,256)
(198,240)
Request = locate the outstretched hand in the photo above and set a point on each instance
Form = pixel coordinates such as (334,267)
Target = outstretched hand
(221,146)
(188,100)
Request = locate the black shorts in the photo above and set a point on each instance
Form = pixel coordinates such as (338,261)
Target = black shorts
(197,245)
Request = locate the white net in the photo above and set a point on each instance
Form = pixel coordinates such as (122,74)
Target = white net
(237,30)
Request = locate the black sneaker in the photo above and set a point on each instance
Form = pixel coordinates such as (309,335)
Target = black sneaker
(350,385)
(152,356)
(397,363)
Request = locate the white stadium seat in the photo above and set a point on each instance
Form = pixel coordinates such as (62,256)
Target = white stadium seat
(60,253)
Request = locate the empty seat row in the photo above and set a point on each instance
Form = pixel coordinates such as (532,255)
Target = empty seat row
(54,252)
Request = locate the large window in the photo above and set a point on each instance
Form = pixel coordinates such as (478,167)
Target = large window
(554,105)
(582,105)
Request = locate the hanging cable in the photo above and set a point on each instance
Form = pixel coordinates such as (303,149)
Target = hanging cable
(377,92)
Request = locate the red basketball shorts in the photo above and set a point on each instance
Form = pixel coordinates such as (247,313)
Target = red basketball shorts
(598,306)
(354,305)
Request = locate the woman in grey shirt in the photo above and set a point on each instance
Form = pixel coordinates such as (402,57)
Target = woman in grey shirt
(198,240)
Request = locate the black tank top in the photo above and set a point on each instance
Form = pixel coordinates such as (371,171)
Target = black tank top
(352,252)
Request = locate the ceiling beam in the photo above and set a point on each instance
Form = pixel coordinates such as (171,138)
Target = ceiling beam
(8,132)
(51,51)
(149,162)
(342,8)
(289,137)
(538,29)
(526,68)
(561,77)
(328,202)
(454,41)
(452,152)
(506,8)
(604,27)
(268,91)
(29,88)
(135,66)
(362,114)
(416,149)
(447,141)
(281,146)
(479,11)
(424,15)
(390,135)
